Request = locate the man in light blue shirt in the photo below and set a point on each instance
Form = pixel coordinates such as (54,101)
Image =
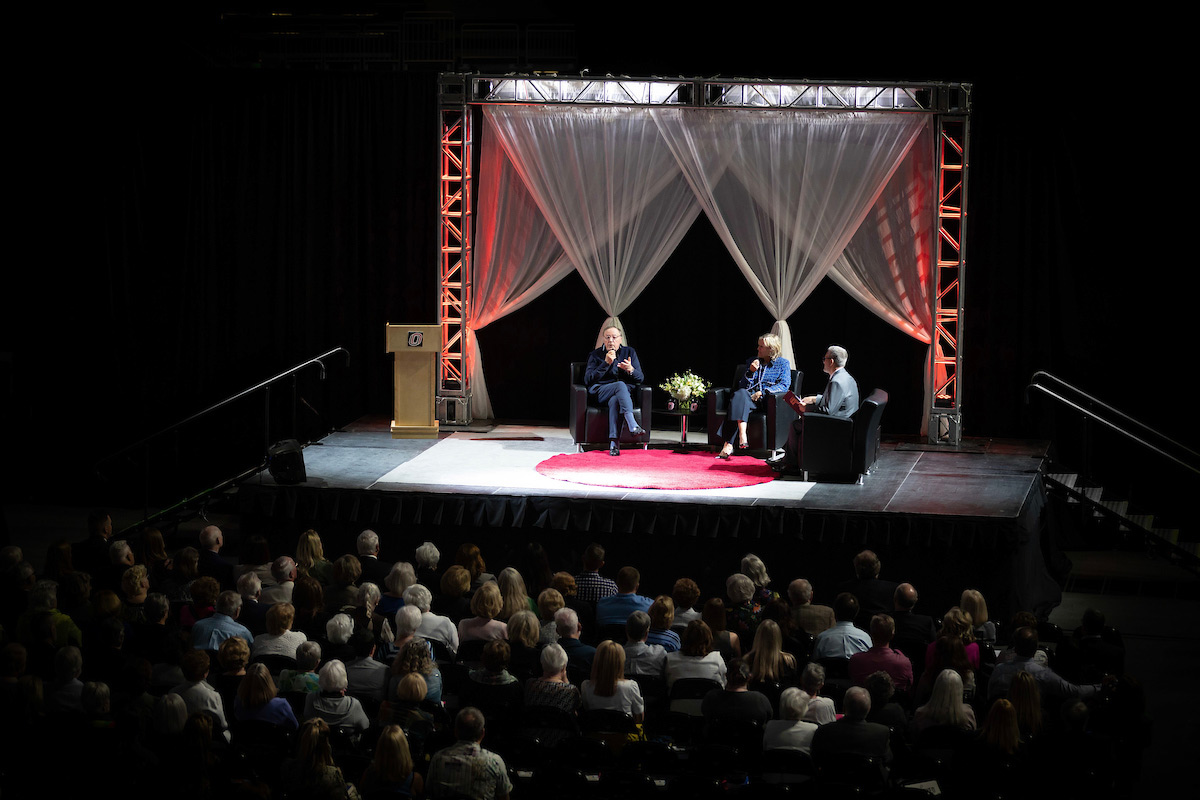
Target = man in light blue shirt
(615,609)
(843,639)
(208,633)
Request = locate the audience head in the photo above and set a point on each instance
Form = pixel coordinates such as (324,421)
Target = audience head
(845,607)
(170,715)
(958,623)
(512,591)
(368,596)
(249,585)
(883,628)
(428,556)
(308,656)
(608,668)
(685,594)
(881,687)
(134,581)
(471,558)
(399,578)
(204,592)
(554,660)
(662,613)
(793,704)
(1026,698)
(566,623)
(1093,622)
(812,679)
(866,564)
(905,597)
(739,588)
(307,595)
(713,615)
(456,581)
(119,553)
(524,628)
(418,597)
(973,604)
(496,655)
(194,665)
(368,543)
(362,643)
(414,657)
(283,569)
(256,689)
(738,676)
(565,583)
(408,620)
(1000,730)
(309,550)
(347,569)
(154,547)
(313,747)
(234,654)
(469,725)
(800,592)
(1025,641)
(628,580)
(697,639)
(211,538)
(280,618)
(412,688)
(754,569)
(857,703)
(332,677)
(487,603)
(338,629)
(549,602)
(593,558)
(393,760)
(637,626)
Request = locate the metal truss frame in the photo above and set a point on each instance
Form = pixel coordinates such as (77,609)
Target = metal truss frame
(948,103)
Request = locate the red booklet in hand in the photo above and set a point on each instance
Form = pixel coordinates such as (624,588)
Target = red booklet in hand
(794,401)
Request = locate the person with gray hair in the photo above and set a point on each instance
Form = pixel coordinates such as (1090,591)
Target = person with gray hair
(427,557)
(853,733)
(373,569)
(813,618)
(211,564)
(332,704)
(464,769)
(66,692)
(208,633)
(283,570)
(254,613)
(579,655)
(304,677)
(553,688)
(839,399)
(820,709)
(642,658)
(791,731)
(433,627)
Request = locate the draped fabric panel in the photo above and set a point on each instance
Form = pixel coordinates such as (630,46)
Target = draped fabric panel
(516,259)
(786,190)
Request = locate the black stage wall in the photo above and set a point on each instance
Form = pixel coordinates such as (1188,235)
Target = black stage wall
(197,226)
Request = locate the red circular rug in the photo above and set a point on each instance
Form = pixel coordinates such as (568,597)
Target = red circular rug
(656,469)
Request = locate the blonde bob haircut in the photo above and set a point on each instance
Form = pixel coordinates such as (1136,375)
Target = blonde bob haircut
(608,668)
(773,343)
(486,602)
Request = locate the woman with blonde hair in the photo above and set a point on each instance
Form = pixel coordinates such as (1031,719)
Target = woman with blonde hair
(280,639)
(958,624)
(754,569)
(767,374)
(258,699)
(768,663)
(524,632)
(549,602)
(486,605)
(512,590)
(945,706)
(973,604)
(135,585)
(608,688)
(313,771)
(391,770)
(310,558)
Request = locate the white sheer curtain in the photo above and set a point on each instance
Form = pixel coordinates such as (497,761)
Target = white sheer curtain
(608,186)
(786,190)
(516,257)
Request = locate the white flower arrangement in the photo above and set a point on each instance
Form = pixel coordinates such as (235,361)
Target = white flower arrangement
(686,385)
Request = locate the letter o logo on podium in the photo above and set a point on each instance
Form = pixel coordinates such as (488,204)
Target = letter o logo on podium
(416,338)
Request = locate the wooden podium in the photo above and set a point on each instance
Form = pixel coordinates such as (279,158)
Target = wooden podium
(417,349)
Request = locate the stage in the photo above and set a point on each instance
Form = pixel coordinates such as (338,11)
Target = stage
(975,514)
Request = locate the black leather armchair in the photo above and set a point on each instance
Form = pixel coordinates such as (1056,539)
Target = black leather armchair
(765,430)
(843,446)
(589,422)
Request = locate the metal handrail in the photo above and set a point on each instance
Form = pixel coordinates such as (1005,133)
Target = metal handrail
(1089,413)
(262,385)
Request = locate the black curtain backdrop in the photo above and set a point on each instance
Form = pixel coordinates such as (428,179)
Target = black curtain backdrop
(197,228)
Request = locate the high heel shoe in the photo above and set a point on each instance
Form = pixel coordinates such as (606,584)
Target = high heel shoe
(725,454)
(743,445)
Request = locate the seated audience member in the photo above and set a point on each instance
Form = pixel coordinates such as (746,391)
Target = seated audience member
(1022,619)
(208,633)
(553,688)
(685,594)
(608,688)
(579,655)
(254,613)
(523,634)
(945,706)
(212,563)
(332,704)
(1026,698)
(408,622)
(820,709)
(284,573)
(958,623)
(415,657)
(341,595)
(427,558)
(310,558)
(874,595)
(399,579)
(280,639)
(304,677)
(881,656)
(852,733)
(736,701)
(948,653)
(616,608)
(794,639)
(404,707)
(514,595)
(998,749)
(742,610)
(843,639)
(662,617)
(232,657)
(642,658)
(754,569)
(910,626)
(465,769)
(391,770)
(486,605)
(564,582)
(470,557)
(590,585)
(549,602)
(791,731)
(492,688)
(204,592)
(135,585)
(879,685)
(336,641)
(373,569)
(725,641)
(365,676)
(195,691)
(367,618)
(974,606)
(308,598)
(768,663)
(313,772)
(695,658)
(1049,682)
(257,699)
(454,595)
(63,696)
(433,627)
(809,616)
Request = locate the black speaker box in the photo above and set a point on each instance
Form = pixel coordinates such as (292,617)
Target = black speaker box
(285,462)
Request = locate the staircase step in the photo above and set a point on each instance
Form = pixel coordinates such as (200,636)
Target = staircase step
(1065,478)
(1143,521)
(1118,507)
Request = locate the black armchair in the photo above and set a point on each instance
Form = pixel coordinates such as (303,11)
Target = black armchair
(589,422)
(843,446)
(765,430)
